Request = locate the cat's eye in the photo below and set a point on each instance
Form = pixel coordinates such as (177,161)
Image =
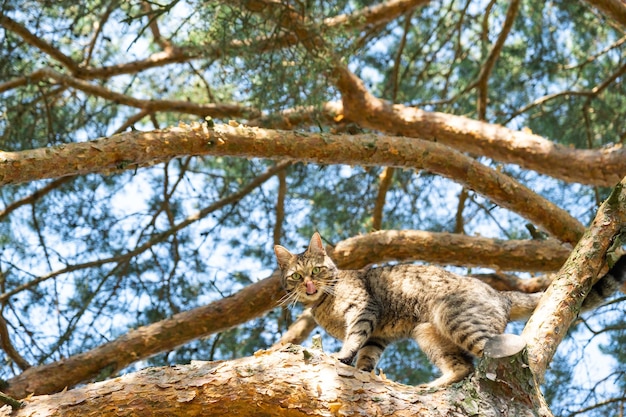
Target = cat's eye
(296,276)
(316,270)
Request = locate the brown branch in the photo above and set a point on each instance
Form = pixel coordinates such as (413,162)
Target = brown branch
(130,122)
(595,91)
(510,282)
(613,9)
(459,226)
(386,177)
(154,27)
(603,167)
(290,381)
(99,26)
(214,110)
(490,62)
(9,349)
(33,197)
(133,149)
(592,58)
(280,206)
(561,303)
(449,249)
(378,14)
(36,41)
(149,340)
(299,330)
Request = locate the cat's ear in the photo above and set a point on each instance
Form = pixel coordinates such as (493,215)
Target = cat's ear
(316,246)
(283,256)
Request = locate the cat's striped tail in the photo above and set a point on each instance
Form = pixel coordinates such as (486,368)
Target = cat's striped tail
(523,304)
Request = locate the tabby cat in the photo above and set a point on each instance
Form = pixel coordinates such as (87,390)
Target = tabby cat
(451,317)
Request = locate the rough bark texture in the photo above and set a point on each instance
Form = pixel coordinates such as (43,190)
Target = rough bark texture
(130,150)
(561,303)
(289,381)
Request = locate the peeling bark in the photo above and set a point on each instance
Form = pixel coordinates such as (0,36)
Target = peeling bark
(289,381)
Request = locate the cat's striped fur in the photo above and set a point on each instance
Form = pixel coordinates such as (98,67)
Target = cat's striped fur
(451,317)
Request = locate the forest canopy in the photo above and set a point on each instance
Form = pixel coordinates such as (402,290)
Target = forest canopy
(153,153)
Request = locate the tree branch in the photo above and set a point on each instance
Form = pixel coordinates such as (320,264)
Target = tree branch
(290,381)
(386,177)
(36,41)
(490,62)
(214,110)
(561,303)
(132,149)
(449,249)
(603,167)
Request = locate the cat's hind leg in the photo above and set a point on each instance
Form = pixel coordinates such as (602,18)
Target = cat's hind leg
(469,320)
(453,362)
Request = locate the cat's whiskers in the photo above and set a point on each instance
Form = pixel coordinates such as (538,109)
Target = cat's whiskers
(290,299)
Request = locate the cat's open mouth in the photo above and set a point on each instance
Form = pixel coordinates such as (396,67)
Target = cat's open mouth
(310,288)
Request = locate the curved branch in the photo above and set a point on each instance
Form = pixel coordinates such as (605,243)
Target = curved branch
(449,249)
(490,62)
(36,41)
(604,167)
(132,149)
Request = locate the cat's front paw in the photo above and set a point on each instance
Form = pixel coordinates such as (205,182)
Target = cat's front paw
(343,358)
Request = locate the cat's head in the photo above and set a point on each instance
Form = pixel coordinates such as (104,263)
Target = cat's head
(306,276)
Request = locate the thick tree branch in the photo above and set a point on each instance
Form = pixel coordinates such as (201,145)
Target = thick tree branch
(450,249)
(132,149)
(561,303)
(290,381)
(604,167)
